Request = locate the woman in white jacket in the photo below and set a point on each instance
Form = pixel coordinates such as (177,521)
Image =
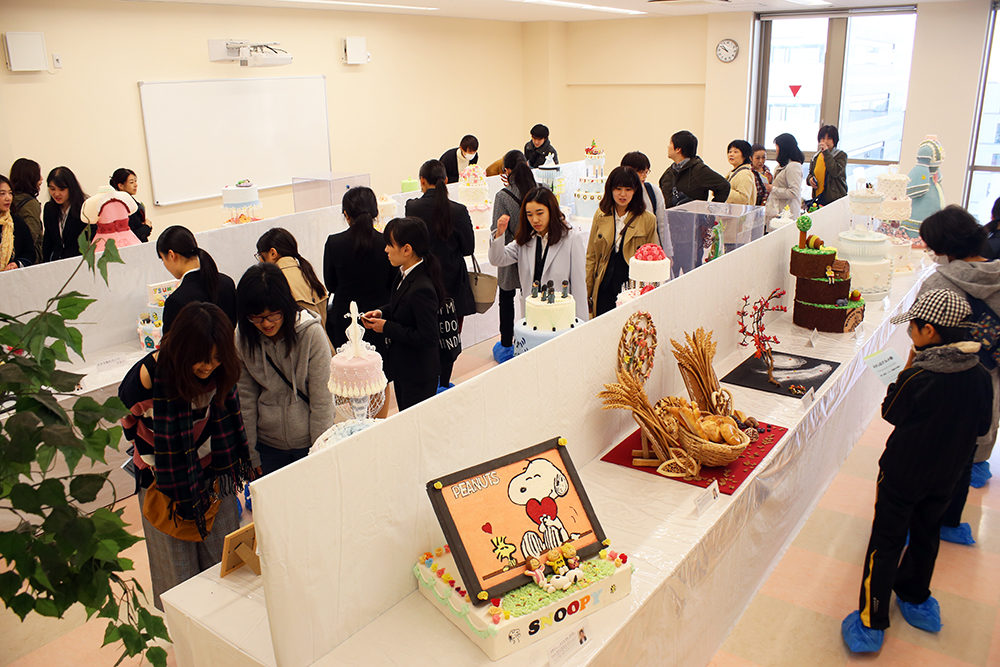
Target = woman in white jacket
(547,248)
(786,188)
(285,370)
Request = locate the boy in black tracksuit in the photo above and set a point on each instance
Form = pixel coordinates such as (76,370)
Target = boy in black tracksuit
(940,403)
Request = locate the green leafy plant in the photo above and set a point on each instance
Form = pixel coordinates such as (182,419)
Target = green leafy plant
(57,555)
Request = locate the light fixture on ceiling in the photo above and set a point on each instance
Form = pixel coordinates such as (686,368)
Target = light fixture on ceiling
(366,5)
(811,3)
(578,5)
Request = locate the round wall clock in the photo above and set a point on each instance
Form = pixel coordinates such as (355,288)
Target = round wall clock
(727,50)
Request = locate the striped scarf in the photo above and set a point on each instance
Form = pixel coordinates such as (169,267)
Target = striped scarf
(6,239)
(179,471)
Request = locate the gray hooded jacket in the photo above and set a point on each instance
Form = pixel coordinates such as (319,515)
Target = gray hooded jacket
(273,413)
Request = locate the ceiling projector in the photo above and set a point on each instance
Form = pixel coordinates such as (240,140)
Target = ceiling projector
(248,54)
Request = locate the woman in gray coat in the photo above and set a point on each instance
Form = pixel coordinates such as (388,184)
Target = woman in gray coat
(545,249)
(285,370)
(517,176)
(786,188)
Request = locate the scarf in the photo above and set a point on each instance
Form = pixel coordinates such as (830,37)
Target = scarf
(179,473)
(6,239)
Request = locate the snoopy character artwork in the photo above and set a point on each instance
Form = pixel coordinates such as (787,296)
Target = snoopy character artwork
(522,517)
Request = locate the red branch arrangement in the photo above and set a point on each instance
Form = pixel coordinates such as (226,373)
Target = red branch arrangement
(755,331)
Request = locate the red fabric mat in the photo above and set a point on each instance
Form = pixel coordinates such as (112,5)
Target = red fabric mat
(730,477)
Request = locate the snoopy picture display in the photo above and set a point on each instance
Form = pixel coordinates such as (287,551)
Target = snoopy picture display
(497,515)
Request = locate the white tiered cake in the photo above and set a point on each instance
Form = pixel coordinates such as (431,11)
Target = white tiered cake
(151,319)
(474,193)
(591,191)
(547,313)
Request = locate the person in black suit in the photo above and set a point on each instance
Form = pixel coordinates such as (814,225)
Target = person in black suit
(452,238)
(356,268)
(199,276)
(410,319)
(124,180)
(61,216)
(455,160)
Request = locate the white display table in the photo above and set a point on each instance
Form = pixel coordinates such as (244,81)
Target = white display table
(340,531)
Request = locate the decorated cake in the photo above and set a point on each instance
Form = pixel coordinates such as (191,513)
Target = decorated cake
(784,218)
(550,175)
(388,209)
(896,205)
(151,319)
(646,270)
(356,369)
(871,266)
(525,555)
(526,614)
(241,203)
(823,296)
(591,191)
(899,253)
(473,193)
(866,200)
(547,313)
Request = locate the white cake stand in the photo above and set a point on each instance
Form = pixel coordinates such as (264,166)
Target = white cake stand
(359,407)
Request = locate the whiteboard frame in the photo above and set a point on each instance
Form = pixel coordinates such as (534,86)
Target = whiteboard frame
(145,129)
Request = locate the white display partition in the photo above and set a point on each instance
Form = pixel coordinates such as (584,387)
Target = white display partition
(339,531)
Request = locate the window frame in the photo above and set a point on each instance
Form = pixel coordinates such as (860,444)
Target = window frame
(972,167)
(833,71)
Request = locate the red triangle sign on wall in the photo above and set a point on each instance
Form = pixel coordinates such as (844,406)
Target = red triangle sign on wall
(795,90)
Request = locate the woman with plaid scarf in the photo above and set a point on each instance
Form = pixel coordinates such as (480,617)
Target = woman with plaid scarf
(189,441)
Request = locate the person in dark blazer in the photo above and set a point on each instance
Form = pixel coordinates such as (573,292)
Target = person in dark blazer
(455,160)
(124,180)
(61,216)
(451,240)
(356,268)
(410,319)
(199,276)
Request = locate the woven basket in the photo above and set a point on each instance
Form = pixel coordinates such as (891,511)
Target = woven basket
(709,453)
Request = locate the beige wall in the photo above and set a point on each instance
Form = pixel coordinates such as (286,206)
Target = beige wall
(628,83)
(944,85)
(385,117)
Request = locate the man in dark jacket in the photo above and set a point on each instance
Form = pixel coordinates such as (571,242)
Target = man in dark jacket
(688,179)
(455,160)
(940,403)
(539,147)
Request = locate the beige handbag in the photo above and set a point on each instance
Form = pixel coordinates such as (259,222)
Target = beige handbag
(484,287)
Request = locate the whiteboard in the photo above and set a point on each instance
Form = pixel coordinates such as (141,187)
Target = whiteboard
(204,135)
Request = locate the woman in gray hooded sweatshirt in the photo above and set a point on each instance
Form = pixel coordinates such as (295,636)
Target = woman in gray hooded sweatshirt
(285,370)
(957,244)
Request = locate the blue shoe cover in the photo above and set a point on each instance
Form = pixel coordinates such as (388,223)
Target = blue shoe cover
(859,637)
(960,534)
(502,353)
(980,474)
(246,496)
(924,616)
(451,385)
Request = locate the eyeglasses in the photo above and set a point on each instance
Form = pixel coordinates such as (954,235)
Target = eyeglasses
(258,257)
(273,317)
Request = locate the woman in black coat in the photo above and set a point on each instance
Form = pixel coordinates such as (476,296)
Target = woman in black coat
(409,320)
(61,216)
(199,276)
(356,268)
(452,239)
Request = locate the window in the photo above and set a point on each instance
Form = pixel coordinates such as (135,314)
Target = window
(846,69)
(983,184)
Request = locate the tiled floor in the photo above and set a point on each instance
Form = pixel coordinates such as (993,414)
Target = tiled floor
(794,620)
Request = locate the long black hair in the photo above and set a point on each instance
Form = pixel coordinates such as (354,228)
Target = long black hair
(64,179)
(412,231)
(623,177)
(361,206)
(25,175)
(120,177)
(198,327)
(954,232)
(264,287)
(558,226)
(182,242)
(286,246)
(520,173)
(434,173)
(788,149)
